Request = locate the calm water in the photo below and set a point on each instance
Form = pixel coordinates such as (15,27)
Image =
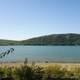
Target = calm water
(43,53)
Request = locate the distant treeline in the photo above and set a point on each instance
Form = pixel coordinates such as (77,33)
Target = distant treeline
(54,39)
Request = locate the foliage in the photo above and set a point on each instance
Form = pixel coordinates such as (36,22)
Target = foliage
(26,72)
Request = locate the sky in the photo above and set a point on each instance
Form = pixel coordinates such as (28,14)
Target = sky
(24,19)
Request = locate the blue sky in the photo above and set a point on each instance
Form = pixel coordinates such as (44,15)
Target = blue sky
(23,19)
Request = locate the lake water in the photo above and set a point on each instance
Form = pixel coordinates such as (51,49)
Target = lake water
(43,53)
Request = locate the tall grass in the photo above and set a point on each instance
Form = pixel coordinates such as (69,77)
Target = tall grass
(35,72)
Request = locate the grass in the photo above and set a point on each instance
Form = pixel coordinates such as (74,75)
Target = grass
(41,72)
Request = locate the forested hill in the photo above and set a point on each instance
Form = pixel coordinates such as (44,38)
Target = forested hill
(54,39)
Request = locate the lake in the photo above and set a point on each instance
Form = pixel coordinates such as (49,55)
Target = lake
(43,53)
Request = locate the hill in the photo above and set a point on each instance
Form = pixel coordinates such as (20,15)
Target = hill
(8,42)
(54,39)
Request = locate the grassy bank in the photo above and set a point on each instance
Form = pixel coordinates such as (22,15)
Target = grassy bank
(47,71)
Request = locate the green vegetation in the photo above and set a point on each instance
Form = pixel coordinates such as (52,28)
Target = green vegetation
(35,72)
(8,42)
(55,39)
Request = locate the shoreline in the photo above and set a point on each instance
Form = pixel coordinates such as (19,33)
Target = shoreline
(44,62)
(66,65)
